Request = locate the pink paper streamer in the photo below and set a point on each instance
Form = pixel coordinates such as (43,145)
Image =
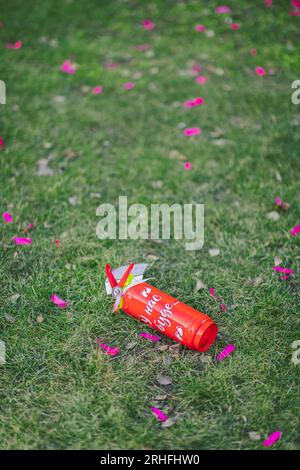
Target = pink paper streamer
(295,230)
(152,338)
(280,269)
(128,85)
(222,9)
(7,217)
(148,24)
(16,45)
(67,67)
(201,80)
(59,302)
(200,28)
(272,438)
(22,241)
(194,102)
(260,71)
(192,131)
(159,414)
(108,349)
(97,90)
(226,352)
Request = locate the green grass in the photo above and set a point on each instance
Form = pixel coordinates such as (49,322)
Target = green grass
(57,390)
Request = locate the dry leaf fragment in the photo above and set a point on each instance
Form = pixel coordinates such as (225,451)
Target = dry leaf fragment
(14,298)
(163,379)
(199,285)
(39,319)
(254,436)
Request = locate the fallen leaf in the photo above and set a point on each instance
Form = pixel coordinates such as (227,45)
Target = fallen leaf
(39,319)
(14,298)
(199,285)
(274,216)
(214,251)
(254,436)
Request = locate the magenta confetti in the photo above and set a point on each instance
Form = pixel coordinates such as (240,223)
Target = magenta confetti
(58,301)
(222,9)
(194,102)
(197,68)
(283,270)
(7,217)
(128,85)
(235,26)
(272,438)
(16,45)
(268,3)
(148,24)
(22,241)
(226,352)
(111,66)
(152,338)
(224,308)
(278,201)
(295,230)
(212,291)
(200,28)
(201,80)
(159,414)
(108,349)
(187,165)
(67,67)
(192,131)
(143,47)
(260,71)
(295,3)
(97,90)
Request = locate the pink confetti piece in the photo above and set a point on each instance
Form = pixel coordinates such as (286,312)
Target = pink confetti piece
(187,165)
(295,3)
(7,217)
(22,241)
(143,47)
(128,85)
(194,102)
(295,13)
(201,80)
(67,67)
(272,438)
(148,24)
(152,338)
(222,9)
(260,71)
(253,51)
(190,131)
(57,243)
(226,352)
(108,349)
(235,26)
(59,302)
(224,308)
(278,201)
(281,269)
(159,414)
(1,143)
(295,230)
(200,28)
(16,45)
(212,291)
(197,68)
(97,90)
(268,3)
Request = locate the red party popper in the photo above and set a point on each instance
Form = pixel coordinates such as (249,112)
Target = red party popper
(159,310)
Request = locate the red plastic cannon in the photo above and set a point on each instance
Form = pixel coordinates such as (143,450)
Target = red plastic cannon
(159,310)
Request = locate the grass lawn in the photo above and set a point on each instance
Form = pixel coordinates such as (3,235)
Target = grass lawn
(58,390)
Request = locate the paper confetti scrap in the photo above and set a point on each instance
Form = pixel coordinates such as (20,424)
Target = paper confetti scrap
(68,67)
(7,217)
(97,90)
(152,338)
(1,143)
(272,438)
(226,352)
(108,349)
(200,28)
(201,80)
(148,24)
(187,166)
(128,86)
(59,302)
(222,9)
(159,414)
(16,45)
(260,71)
(22,241)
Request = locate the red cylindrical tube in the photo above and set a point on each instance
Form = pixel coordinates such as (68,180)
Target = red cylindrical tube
(170,316)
